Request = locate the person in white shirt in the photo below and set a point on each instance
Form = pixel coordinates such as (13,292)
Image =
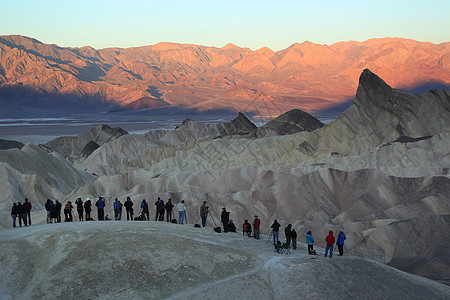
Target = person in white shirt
(181,212)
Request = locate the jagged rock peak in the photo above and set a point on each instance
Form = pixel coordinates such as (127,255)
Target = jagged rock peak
(293,121)
(372,88)
(242,123)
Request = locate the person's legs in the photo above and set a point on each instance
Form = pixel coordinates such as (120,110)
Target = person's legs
(294,244)
(326,250)
(275,237)
(341,249)
(180,217)
(80,215)
(14,220)
(120,215)
(203,221)
(29,217)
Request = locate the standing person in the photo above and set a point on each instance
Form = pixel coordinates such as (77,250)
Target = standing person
(225,219)
(55,212)
(88,208)
(181,211)
(246,228)
(145,211)
(330,242)
(14,214)
(27,206)
(100,208)
(204,210)
(160,208)
(47,208)
(168,207)
(275,231)
(340,242)
(256,225)
(294,238)
(129,207)
(117,210)
(310,242)
(58,207)
(79,204)
(287,233)
(22,214)
(156,208)
(68,212)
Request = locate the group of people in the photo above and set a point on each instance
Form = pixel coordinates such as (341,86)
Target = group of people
(21,211)
(291,238)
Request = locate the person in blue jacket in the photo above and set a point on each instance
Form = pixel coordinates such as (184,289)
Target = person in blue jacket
(100,208)
(310,242)
(340,242)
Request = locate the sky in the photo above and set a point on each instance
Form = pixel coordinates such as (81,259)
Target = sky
(253,24)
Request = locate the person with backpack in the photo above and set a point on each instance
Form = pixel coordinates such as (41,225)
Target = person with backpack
(340,242)
(225,219)
(27,206)
(100,208)
(79,204)
(275,231)
(168,207)
(88,208)
(129,207)
(204,210)
(247,228)
(145,211)
(68,212)
(310,242)
(181,211)
(294,238)
(256,225)
(117,210)
(14,214)
(330,242)
(287,233)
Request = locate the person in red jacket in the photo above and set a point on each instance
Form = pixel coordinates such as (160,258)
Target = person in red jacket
(330,242)
(256,224)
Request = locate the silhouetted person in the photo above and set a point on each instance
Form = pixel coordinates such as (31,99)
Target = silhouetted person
(287,233)
(168,207)
(294,238)
(88,208)
(129,207)
(27,206)
(231,226)
(79,204)
(47,208)
(225,219)
(57,214)
(275,231)
(22,214)
(14,214)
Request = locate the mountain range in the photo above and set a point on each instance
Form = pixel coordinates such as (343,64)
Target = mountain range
(36,76)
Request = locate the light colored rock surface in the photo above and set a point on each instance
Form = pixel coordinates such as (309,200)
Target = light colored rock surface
(158,260)
(380,172)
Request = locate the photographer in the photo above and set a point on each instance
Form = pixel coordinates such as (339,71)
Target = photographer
(204,210)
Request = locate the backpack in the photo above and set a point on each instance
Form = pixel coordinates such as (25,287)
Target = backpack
(116,205)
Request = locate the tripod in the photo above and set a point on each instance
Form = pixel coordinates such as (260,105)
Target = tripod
(268,239)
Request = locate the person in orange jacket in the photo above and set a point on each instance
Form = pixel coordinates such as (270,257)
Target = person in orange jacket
(330,242)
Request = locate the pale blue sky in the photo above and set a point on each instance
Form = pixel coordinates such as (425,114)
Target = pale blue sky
(253,24)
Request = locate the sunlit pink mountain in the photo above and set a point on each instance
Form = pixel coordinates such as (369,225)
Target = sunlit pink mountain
(308,76)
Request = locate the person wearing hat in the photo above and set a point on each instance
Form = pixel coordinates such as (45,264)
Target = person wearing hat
(294,238)
(204,210)
(256,225)
(68,212)
(88,208)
